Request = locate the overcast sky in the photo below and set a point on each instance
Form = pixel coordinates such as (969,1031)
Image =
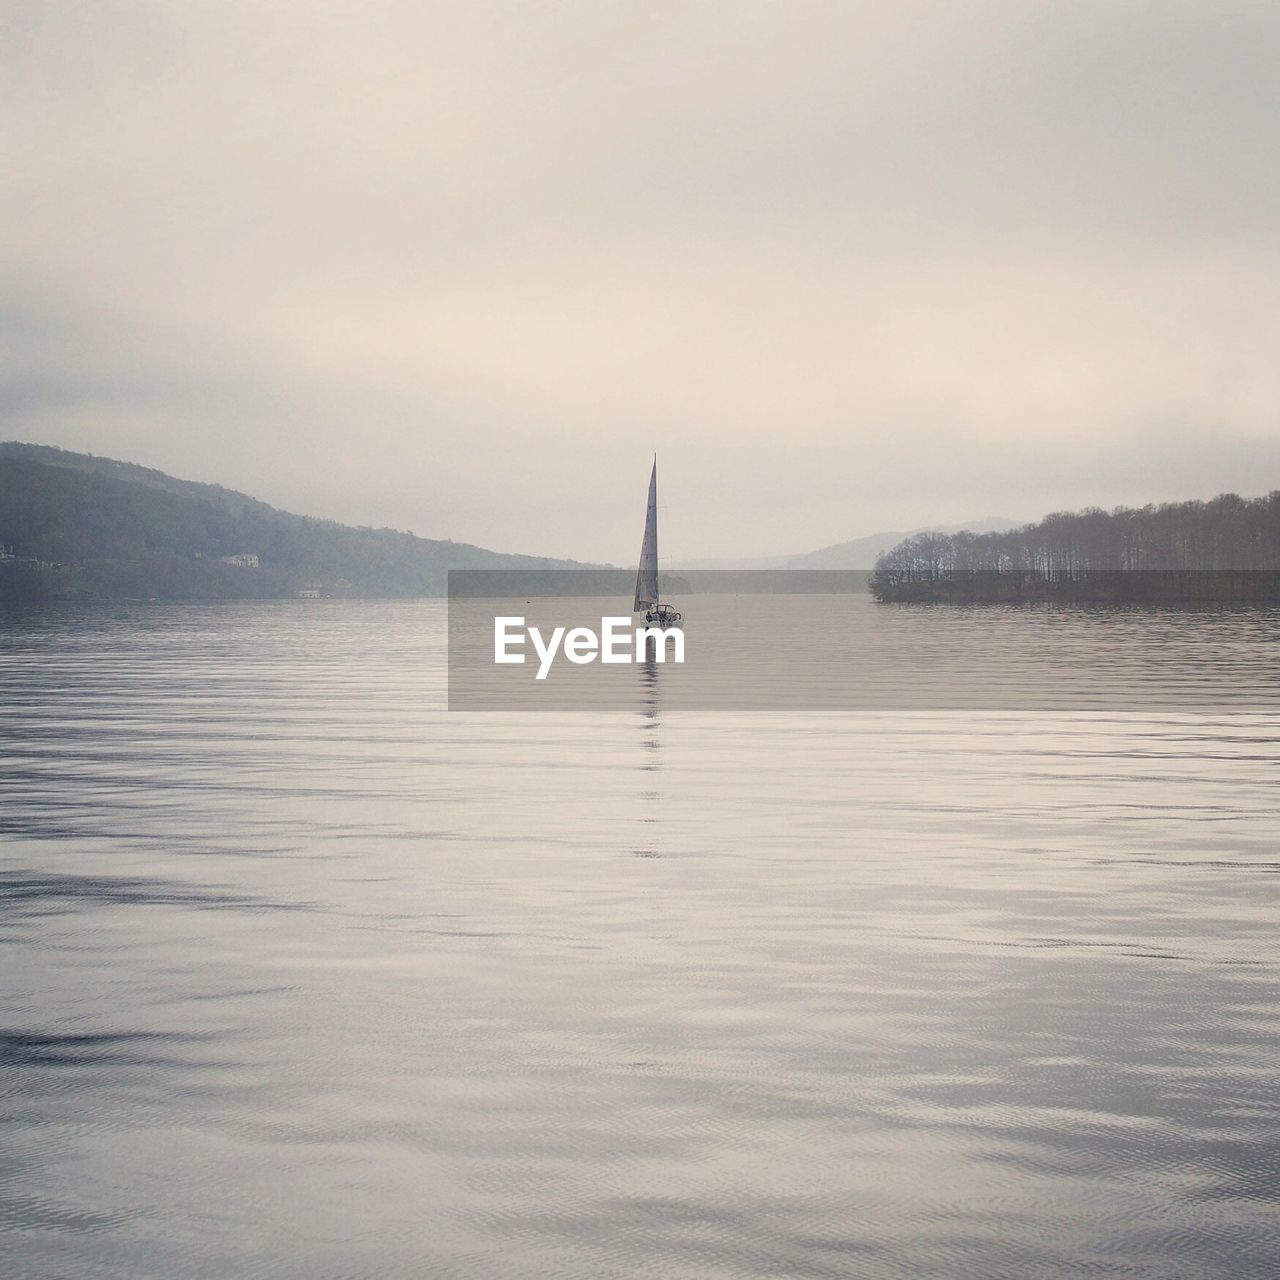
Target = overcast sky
(461,268)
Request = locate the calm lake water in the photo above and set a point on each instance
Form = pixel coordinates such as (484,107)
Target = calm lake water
(304,975)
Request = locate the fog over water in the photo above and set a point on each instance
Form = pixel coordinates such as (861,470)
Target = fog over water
(461,268)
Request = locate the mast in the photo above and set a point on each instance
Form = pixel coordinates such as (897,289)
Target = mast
(647,574)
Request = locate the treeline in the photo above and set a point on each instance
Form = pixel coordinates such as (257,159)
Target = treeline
(75,527)
(1225,549)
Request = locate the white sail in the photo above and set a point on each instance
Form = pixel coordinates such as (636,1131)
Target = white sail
(647,577)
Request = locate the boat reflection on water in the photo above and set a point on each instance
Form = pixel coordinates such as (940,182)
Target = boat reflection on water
(649,672)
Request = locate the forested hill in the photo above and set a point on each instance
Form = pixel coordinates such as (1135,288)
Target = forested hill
(77,527)
(91,464)
(1226,548)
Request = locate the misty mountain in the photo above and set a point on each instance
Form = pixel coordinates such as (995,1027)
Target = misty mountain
(74,526)
(859,553)
(732,562)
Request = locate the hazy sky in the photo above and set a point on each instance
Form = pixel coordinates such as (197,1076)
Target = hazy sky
(460,268)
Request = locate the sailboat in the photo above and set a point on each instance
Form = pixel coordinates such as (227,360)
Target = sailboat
(655,612)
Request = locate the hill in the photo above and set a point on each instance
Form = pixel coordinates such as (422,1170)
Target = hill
(77,527)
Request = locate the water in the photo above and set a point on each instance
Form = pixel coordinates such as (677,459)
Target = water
(305,976)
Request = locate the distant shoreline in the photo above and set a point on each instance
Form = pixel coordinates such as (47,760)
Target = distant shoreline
(1193,587)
